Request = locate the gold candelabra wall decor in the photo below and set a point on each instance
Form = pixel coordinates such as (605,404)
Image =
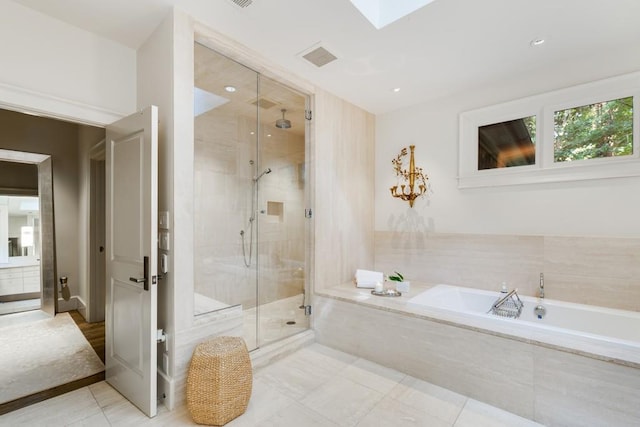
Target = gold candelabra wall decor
(413,175)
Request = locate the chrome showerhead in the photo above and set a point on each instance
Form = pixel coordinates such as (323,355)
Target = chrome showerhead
(264,172)
(283,123)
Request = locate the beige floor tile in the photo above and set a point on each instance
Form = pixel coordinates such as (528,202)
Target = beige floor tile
(391,413)
(343,401)
(120,412)
(333,389)
(297,415)
(478,414)
(434,401)
(301,373)
(264,403)
(62,410)
(124,413)
(178,417)
(105,395)
(373,375)
(97,420)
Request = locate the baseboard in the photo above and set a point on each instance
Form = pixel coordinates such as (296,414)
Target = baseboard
(74,303)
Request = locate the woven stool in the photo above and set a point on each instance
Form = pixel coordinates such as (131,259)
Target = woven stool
(219,381)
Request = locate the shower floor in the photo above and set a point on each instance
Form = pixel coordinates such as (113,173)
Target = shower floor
(278,319)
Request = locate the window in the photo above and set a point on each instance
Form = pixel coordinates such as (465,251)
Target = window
(507,144)
(603,129)
(584,132)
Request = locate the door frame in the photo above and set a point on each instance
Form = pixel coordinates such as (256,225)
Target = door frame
(96,286)
(48,267)
(21,100)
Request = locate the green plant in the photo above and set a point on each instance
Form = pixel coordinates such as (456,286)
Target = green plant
(397,277)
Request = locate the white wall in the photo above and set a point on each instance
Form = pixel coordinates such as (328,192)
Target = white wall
(53,67)
(586,208)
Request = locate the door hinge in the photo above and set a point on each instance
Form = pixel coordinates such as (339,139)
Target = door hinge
(308,213)
(308,114)
(307,310)
(161,337)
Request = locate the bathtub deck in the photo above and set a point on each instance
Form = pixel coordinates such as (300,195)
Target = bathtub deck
(348,292)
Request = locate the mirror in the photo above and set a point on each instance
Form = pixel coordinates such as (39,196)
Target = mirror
(22,215)
(37,239)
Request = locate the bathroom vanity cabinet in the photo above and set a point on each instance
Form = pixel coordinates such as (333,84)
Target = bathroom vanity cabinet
(19,279)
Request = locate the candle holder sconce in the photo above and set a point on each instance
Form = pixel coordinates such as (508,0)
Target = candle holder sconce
(415,181)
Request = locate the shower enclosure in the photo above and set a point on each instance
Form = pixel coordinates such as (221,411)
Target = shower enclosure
(251,235)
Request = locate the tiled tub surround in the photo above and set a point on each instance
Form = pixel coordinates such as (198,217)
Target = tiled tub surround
(604,333)
(599,271)
(543,382)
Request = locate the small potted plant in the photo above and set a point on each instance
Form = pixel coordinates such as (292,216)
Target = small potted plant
(398,279)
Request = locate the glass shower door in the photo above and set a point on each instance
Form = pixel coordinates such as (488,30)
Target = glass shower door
(250,195)
(226,164)
(282,224)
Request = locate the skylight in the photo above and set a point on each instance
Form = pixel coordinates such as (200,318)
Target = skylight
(204,101)
(383,12)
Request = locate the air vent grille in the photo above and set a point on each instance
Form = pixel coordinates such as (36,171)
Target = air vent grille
(319,57)
(243,3)
(264,103)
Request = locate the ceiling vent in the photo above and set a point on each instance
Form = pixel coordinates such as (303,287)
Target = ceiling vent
(243,3)
(319,56)
(264,103)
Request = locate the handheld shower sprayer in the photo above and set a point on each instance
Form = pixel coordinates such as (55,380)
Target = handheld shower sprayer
(264,172)
(252,218)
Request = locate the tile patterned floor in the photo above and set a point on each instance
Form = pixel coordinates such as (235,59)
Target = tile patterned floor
(316,386)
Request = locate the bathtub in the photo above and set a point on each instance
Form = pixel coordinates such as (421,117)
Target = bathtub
(604,333)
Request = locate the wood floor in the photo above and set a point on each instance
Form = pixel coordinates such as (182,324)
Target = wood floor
(94,333)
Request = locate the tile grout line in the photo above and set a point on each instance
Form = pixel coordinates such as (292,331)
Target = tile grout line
(466,401)
(93,395)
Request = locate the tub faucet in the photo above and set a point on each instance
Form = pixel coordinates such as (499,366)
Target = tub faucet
(541,290)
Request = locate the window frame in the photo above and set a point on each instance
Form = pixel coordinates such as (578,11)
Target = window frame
(543,107)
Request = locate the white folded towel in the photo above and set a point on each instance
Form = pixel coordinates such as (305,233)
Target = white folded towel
(368,279)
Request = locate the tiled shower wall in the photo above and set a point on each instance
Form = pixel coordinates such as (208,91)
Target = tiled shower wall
(589,270)
(223,188)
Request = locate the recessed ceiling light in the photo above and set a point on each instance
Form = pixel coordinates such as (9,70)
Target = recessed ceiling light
(268,135)
(230,89)
(252,133)
(536,42)
(396,89)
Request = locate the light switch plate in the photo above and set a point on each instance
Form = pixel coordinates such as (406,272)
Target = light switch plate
(163,240)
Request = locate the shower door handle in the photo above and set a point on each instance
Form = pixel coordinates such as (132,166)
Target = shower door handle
(144,279)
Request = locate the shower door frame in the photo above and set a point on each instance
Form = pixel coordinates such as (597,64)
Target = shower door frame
(232,54)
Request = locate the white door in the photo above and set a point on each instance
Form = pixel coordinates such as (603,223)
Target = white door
(131,245)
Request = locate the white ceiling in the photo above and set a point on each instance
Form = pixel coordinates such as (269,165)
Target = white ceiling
(443,48)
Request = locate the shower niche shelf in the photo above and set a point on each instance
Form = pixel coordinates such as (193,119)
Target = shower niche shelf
(275,211)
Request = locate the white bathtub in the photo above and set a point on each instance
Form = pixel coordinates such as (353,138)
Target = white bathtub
(602,332)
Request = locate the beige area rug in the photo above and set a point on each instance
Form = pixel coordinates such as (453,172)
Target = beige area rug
(43,354)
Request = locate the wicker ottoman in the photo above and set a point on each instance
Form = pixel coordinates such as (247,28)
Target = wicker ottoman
(219,381)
